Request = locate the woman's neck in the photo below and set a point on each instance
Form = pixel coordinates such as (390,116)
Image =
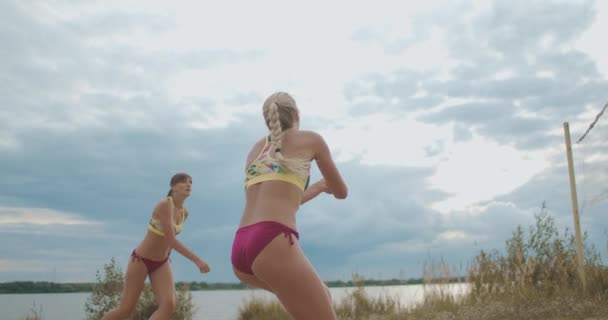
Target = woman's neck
(178,201)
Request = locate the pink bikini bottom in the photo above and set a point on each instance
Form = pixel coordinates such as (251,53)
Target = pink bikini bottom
(250,240)
(151,265)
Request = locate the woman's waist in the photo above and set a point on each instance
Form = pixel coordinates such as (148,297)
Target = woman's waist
(286,218)
(153,247)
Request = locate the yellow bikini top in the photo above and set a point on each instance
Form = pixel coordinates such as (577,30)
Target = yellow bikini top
(156,227)
(266,168)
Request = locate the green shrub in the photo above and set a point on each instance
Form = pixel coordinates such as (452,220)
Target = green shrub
(107,292)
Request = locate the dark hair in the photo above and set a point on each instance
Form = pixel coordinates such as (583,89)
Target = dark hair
(178,177)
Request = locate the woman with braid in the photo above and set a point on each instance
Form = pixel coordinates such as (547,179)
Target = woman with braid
(265,252)
(150,258)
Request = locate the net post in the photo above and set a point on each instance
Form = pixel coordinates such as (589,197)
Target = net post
(577,225)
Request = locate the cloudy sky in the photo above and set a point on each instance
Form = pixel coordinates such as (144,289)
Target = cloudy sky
(445,118)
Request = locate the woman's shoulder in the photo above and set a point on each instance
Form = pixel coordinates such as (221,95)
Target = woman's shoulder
(310,137)
(257,147)
(164,203)
(308,134)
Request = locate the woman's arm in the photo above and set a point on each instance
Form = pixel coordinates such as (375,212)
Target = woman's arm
(332,176)
(166,219)
(314,190)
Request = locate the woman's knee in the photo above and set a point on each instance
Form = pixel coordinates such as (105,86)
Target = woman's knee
(124,311)
(167,305)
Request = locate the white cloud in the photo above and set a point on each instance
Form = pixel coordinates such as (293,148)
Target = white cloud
(387,139)
(589,41)
(407,246)
(41,216)
(472,171)
(8,143)
(22,266)
(311,60)
(481,169)
(451,235)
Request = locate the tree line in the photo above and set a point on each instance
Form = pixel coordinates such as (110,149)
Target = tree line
(55,287)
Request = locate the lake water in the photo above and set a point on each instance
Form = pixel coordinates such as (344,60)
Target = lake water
(214,305)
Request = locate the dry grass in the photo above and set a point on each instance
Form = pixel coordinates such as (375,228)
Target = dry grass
(35,313)
(260,309)
(535,278)
(358,305)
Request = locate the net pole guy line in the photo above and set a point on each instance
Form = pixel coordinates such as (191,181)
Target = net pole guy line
(593,123)
(577,225)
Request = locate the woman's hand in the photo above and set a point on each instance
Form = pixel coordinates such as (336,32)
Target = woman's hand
(322,185)
(202,266)
(314,190)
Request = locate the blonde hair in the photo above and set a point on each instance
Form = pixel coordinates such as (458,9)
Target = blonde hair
(280,112)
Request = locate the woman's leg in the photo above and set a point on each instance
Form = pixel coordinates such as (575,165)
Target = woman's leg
(287,271)
(134,284)
(164,291)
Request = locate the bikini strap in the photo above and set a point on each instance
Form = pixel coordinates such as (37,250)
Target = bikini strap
(288,233)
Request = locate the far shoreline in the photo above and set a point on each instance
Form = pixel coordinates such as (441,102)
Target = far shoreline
(38,287)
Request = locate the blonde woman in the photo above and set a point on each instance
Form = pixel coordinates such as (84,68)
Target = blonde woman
(150,258)
(266,252)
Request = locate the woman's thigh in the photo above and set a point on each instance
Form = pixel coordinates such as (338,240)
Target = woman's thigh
(289,274)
